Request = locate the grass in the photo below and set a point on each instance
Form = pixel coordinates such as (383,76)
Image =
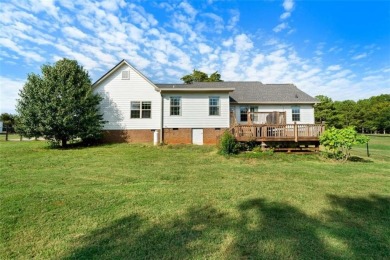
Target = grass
(180,202)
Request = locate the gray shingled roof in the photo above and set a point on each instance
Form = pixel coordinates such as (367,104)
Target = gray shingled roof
(200,85)
(252,91)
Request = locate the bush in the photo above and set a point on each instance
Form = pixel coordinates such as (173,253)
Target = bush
(228,144)
(338,142)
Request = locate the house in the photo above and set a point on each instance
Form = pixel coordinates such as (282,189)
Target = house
(137,110)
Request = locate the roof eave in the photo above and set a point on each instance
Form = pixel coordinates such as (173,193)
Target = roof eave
(274,102)
(197,90)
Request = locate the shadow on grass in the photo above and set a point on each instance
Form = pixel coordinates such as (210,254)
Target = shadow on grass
(359,159)
(363,223)
(263,230)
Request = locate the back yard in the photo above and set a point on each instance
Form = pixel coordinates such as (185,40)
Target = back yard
(180,202)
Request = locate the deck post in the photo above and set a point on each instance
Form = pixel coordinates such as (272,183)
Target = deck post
(295,132)
(263,145)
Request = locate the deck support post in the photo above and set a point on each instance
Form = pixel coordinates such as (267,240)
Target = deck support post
(263,145)
(295,132)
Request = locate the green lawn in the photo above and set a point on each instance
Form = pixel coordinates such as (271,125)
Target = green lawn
(180,202)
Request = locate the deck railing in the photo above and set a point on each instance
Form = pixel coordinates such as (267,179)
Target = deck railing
(288,132)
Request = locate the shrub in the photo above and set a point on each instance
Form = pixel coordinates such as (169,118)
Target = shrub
(338,142)
(228,144)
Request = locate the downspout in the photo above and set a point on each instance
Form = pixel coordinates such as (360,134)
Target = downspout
(162,119)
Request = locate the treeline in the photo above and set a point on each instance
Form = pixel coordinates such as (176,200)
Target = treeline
(370,115)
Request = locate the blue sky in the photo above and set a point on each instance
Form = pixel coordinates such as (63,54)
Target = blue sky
(340,49)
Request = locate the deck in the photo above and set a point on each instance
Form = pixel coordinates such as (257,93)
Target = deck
(277,133)
(286,137)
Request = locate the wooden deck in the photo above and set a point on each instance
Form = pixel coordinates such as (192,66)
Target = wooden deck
(278,133)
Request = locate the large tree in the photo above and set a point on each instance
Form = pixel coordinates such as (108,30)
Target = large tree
(200,76)
(59,104)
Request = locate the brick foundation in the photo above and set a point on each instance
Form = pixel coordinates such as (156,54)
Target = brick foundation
(179,136)
(128,136)
(211,135)
(171,136)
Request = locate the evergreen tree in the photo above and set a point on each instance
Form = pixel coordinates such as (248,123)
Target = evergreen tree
(59,104)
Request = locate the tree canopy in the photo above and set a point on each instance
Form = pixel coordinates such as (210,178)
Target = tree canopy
(367,115)
(7,119)
(59,104)
(199,76)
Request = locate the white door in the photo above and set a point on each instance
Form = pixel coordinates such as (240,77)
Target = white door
(197,136)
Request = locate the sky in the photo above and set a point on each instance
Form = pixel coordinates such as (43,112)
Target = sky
(340,49)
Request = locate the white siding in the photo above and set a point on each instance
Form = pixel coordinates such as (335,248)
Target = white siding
(195,111)
(307,112)
(118,93)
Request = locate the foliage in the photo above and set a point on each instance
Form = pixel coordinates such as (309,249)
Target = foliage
(368,115)
(59,105)
(339,142)
(9,121)
(199,76)
(228,144)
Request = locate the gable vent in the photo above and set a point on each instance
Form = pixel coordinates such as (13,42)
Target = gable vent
(125,74)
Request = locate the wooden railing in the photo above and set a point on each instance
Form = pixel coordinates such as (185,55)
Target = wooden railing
(286,132)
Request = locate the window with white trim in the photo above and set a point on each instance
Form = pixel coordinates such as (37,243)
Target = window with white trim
(213,106)
(175,106)
(296,113)
(140,109)
(244,114)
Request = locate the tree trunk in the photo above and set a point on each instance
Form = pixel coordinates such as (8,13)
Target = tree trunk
(63,142)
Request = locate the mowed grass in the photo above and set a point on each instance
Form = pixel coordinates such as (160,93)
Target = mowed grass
(187,202)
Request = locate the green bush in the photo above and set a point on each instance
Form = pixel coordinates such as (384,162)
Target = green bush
(338,142)
(228,144)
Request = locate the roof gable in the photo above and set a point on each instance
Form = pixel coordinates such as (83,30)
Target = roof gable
(115,68)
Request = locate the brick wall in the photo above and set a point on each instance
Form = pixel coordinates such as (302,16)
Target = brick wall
(178,136)
(211,135)
(171,136)
(128,136)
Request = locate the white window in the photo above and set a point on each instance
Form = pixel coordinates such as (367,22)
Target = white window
(125,74)
(140,109)
(296,113)
(175,106)
(214,106)
(244,114)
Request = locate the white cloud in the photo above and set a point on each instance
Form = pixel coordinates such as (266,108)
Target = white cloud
(280,27)
(9,92)
(334,68)
(288,5)
(359,56)
(234,19)
(242,42)
(204,48)
(285,15)
(188,9)
(229,42)
(73,32)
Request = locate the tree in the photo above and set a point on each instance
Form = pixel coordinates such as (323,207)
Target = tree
(199,76)
(8,120)
(59,104)
(325,111)
(338,142)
